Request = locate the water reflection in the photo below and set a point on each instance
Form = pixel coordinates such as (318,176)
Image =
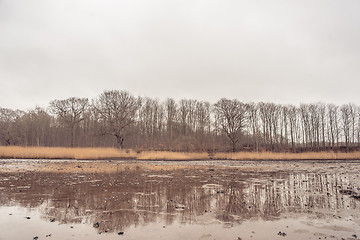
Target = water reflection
(198,195)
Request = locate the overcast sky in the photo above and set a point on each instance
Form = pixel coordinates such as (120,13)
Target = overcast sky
(274,51)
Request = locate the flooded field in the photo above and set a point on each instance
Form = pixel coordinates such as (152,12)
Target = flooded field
(41,199)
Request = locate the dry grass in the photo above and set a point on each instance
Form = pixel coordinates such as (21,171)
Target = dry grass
(113,153)
(287,156)
(64,153)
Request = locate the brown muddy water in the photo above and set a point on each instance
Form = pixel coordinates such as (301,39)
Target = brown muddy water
(41,199)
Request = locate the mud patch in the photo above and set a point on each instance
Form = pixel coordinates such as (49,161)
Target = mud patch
(196,200)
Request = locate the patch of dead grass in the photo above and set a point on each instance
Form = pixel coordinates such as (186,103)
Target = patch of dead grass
(64,153)
(286,156)
(113,153)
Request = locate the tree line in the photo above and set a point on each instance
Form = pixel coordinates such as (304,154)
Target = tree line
(119,119)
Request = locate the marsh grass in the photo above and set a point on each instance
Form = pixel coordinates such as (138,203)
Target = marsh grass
(287,156)
(64,153)
(15,152)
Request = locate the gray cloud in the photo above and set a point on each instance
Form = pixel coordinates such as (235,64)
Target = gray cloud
(278,51)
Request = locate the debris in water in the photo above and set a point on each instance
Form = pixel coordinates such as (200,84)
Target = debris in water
(346,192)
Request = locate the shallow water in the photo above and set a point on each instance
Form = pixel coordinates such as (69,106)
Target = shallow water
(203,200)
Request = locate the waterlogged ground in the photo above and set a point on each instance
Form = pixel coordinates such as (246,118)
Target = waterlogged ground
(41,199)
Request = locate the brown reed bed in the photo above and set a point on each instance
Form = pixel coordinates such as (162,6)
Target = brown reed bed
(16,152)
(288,156)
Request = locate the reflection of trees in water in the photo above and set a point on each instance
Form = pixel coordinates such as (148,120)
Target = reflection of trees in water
(138,197)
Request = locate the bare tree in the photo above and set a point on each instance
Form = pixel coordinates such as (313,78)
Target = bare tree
(10,132)
(269,118)
(186,125)
(203,124)
(293,124)
(70,111)
(36,127)
(117,111)
(353,113)
(346,123)
(150,123)
(171,115)
(323,120)
(253,114)
(306,125)
(158,123)
(284,115)
(314,127)
(145,121)
(232,117)
(274,115)
(332,112)
(184,112)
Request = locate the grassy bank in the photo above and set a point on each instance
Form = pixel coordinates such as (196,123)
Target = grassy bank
(14,152)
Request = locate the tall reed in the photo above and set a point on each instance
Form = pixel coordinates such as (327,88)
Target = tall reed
(15,152)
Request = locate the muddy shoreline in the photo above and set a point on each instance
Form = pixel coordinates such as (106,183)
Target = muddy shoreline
(72,165)
(224,199)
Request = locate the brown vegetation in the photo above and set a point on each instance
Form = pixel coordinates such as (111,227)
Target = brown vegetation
(64,153)
(15,152)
